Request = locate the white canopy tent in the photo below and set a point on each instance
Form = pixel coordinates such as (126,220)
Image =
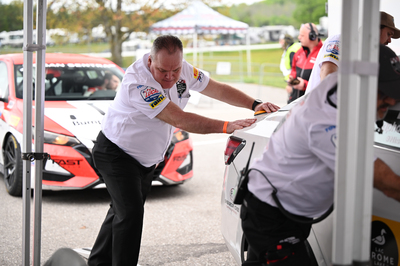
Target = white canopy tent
(198,18)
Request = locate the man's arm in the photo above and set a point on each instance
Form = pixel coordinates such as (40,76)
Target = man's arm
(327,68)
(386,180)
(195,123)
(228,94)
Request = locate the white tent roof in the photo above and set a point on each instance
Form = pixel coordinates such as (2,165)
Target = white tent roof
(199,18)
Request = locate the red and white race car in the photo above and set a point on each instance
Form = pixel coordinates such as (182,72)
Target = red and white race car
(74,107)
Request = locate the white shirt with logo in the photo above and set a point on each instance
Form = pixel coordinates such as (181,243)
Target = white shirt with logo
(328,53)
(131,121)
(299,159)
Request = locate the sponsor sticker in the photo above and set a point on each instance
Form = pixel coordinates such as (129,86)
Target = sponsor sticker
(195,73)
(332,127)
(385,235)
(181,87)
(14,120)
(150,94)
(201,76)
(331,55)
(156,102)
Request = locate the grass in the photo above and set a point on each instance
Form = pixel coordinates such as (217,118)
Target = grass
(264,63)
(264,66)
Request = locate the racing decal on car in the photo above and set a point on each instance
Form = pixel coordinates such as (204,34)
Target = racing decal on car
(150,94)
(332,49)
(155,103)
(67,162)
(390,135)
(90,65)
(14,120)
(181,87)
(384,247)
(76,122)
(230,205)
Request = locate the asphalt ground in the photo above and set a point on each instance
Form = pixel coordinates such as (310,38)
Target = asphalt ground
(182,223)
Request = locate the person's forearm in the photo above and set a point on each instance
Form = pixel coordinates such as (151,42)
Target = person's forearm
(386,180)
(327,68)
(195,123)
(228,94)
(198,124)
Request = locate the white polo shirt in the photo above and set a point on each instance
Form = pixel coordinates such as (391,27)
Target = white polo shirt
(131,122)
(328,53)
(299,159)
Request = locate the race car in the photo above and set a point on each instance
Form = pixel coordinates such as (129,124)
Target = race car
(75,104)
(385,220)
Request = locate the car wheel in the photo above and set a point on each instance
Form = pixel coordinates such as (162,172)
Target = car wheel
(12,166)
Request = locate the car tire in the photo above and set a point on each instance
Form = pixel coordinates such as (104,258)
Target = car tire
(12,166)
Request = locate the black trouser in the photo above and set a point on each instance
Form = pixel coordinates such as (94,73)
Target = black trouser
(128,183)
(271,236)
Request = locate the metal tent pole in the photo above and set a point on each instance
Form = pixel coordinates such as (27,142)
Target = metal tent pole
(248,52)
(27,130)
(356,113)
(195,47)
(368,69)
(39,126)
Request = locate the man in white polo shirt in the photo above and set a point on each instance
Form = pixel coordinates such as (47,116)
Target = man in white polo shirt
(328,57)
(136,132)
(299,170)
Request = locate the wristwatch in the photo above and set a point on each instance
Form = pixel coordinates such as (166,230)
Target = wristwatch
(256,102)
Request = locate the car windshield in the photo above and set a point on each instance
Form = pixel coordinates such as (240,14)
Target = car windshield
(74,81)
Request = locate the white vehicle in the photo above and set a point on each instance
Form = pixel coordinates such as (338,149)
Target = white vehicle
(385,232)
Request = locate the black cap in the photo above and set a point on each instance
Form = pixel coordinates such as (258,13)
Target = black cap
(389,73)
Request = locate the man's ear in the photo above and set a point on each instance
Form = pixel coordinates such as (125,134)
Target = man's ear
(149,61)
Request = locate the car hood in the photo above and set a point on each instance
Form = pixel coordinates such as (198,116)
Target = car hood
(81,118)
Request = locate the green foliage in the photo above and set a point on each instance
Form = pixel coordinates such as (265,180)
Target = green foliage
(265,13)
(309,10)
(14,18)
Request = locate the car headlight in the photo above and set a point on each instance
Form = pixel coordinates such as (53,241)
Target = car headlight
(59,139)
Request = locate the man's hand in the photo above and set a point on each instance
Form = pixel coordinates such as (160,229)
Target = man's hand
(386,180)
(268,107)
(299,86)
(239,124)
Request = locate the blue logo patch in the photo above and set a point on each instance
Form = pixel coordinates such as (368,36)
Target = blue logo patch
(333,47)
(150,94)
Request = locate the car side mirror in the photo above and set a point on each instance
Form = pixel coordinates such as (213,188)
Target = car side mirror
(233,146)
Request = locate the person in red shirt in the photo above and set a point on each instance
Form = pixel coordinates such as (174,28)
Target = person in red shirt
(303,61)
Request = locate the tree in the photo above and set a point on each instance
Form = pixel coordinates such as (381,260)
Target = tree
(13,20)
(119,18)
(309,10)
